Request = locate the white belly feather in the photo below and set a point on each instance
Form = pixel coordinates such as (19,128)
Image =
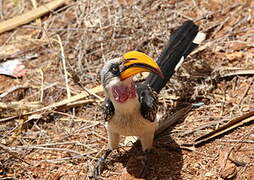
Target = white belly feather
(128,120)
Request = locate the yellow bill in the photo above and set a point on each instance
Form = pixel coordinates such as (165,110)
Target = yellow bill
(136,62)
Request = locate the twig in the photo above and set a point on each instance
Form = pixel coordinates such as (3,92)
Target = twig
(237,141)
(238,163)
(7,150)
(76,79)
(1,9)
(183,15)
(92,93)
(225,158)
(42,85)
(21,105)
(65,158)
(80,103)
(234,123)
(246,91)
(77,143)
(46,86)
(100,136)
(197,7)
(220,25)
(34,3)
(223,103)
(226,10)
(64,66)
(75,118)
(202,127)
(58,105)
(226,72)
(188,148)
(54,149)
(12,90)
(30,15)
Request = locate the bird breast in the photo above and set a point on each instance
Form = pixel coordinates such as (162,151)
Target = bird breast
(128,120)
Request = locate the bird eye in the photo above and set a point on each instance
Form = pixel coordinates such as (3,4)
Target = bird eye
(115,69)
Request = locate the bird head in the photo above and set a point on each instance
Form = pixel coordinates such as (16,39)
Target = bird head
(121,70)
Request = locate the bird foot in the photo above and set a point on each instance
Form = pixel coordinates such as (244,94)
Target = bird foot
(144,172)
(99,167)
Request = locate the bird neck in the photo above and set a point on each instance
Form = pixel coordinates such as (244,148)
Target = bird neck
(123,92)
(123,95)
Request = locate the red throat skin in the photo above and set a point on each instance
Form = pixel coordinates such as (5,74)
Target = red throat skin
(122,93)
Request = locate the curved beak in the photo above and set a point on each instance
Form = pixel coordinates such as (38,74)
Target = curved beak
(136,62)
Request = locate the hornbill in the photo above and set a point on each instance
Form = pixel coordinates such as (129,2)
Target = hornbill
(130,108)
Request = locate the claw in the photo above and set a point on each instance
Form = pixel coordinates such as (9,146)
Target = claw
(146,166)
(99,167)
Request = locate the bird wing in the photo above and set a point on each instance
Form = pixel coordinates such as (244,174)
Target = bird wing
(108,109)
(148,102)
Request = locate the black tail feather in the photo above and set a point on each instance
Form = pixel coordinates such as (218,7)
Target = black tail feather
(179,46)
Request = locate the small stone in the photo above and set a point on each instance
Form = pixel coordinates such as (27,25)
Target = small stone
(208,174)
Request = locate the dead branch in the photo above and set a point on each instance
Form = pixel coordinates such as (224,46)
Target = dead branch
(186,132)
(246,118)
(64,67)
(227,72)
(12,90)
(21,105)
(66,158)
(13,154)
(30,15)
(58,105)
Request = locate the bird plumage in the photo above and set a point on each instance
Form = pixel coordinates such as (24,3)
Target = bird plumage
(181,43)
(144,106)
(148,100)
(130,108)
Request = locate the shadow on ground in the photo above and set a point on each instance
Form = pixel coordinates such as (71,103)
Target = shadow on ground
(166,160)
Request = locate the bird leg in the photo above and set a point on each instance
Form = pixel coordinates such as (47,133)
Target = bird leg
(147,143)
(98,169)
(146,165)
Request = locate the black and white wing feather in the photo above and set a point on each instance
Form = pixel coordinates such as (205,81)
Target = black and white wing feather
(148,102)
(108,109)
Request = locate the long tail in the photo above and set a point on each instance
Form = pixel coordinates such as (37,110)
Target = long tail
(181,43)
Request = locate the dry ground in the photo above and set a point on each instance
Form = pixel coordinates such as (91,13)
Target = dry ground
(63,143)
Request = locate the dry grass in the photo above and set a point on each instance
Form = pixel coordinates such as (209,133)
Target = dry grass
(62,142)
